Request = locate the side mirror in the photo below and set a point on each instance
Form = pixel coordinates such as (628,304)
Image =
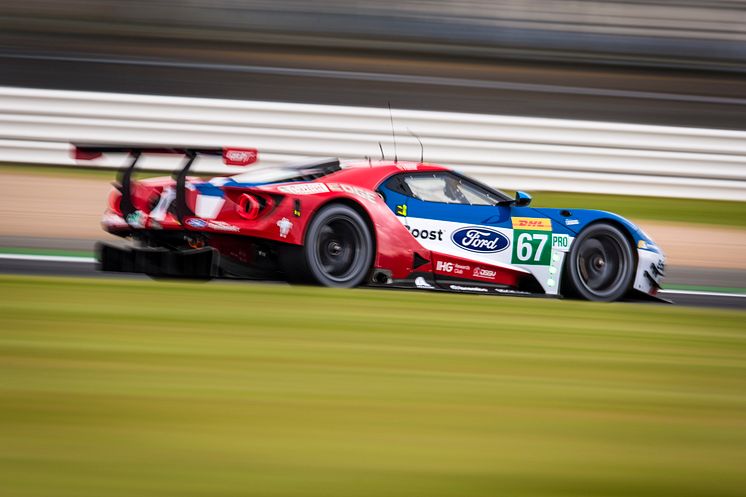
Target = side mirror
(522,199)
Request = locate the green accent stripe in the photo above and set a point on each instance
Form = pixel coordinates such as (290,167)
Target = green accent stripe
(41,251)
(697,288)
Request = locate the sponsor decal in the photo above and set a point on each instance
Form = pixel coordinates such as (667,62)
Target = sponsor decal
(354,190)
(460,288)
(222,226)
(401,210)
(484,273)
(196,222)
(531,223)
(314,188)
(451,267)
(444,266)
(136,219)
(508,291)
(239,156)
(560,242)
(420,282)
(285,226)
(423,234)
(531,247)
(532,244)
(479,239)
(571,222)
(304,189)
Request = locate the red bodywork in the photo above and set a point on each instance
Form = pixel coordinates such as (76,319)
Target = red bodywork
(255,213)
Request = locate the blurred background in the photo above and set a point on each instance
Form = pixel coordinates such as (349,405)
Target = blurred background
(674,62)
(133,387)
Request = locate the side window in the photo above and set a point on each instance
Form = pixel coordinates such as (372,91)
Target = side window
(476,195)
(447,188)
(428,187)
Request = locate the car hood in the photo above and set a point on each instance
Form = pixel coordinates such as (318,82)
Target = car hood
(572,222)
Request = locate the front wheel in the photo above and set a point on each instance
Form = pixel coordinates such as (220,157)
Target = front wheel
(601,264)
(337,252)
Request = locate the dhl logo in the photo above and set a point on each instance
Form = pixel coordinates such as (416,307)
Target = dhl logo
(531,223)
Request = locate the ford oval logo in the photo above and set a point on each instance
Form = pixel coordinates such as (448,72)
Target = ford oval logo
(479,239)
(196,222)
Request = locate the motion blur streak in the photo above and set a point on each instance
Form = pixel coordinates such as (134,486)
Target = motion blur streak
(676,33)
(19,264)
(391,78)
(677,64)
(124,388)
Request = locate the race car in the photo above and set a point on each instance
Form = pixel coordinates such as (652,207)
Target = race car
(378,223)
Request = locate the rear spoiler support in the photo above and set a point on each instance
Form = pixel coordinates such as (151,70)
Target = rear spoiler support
(124,178)
(231,156)
(181,207)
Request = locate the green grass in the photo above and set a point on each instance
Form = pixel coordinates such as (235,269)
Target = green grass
(43,251)
(58,171)
(123,388)
(709,212)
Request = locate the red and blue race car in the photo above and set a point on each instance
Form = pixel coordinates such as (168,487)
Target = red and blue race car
(381,223)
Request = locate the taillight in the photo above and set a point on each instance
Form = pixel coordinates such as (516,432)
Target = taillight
(252,204)
(249,206)
(115,199)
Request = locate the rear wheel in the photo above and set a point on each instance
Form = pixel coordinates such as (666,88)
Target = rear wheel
(601,264)
(338,250)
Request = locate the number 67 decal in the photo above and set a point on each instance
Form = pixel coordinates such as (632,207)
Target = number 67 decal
(531,247)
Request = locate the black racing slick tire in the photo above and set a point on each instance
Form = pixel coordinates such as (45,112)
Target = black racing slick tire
(601,264)
(337,251)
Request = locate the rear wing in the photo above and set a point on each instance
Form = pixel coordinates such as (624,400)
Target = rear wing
(231,156)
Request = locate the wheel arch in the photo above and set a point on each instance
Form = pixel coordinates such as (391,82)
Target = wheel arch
(357,207)
(565,283)
(617,224)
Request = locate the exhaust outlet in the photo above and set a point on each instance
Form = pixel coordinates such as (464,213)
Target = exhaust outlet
(381,277)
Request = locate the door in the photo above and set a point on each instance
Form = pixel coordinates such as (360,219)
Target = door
(472,225)
(450,214)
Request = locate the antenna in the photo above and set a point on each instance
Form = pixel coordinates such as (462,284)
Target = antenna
(393,134)
(422,149)
(381,147)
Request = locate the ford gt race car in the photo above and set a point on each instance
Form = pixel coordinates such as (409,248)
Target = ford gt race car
(378,223)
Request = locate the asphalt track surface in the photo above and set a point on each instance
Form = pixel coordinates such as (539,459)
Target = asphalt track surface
(75,267)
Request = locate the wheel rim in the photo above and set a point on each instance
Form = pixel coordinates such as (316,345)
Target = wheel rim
(601,264)
(340,248)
